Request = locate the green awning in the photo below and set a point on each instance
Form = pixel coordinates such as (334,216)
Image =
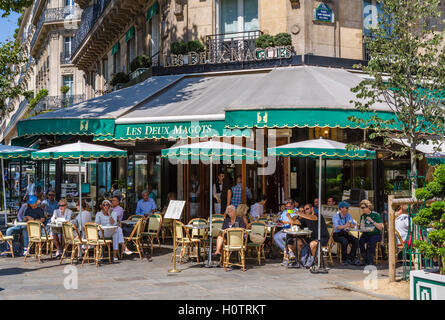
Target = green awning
(435,159)
(115,48)
(301,118)
(172,130)
(14,152)
(129,34)
(152,11)
(96,127)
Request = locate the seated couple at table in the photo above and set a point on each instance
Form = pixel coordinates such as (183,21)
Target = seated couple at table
(342,221)
(304,219)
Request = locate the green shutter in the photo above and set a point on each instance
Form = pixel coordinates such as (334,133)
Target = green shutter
(115,48)
(152,11)
(130,34)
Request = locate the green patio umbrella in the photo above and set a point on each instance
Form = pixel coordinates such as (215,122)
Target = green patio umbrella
(11,152)
(321,149)
(210,151)
(78,150)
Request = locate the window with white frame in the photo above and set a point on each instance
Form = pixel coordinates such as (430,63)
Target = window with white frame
(237,16)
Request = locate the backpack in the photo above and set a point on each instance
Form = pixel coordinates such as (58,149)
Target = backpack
(306,258)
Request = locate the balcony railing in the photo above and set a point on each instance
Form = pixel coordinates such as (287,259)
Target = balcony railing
(55,14)
(240,41)
(65,57)
(89,17)
(57,102)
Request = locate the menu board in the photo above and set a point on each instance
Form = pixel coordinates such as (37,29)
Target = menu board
(174,209)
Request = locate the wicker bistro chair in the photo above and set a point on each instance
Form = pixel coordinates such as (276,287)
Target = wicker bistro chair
(153,229)
(135,217)
(261,229)
(93,240)
(36,239)
(8,240)
(166,227)
(182,239)
(328,247)
(217,216)
(136,237)
(198,236)
(235,241)
(217,224)
(72,238)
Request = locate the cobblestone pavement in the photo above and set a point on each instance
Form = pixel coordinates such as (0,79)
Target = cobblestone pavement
(136,279)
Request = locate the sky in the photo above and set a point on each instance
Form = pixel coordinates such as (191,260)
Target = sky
(8,25)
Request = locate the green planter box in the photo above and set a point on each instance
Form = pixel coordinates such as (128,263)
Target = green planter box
(426,286)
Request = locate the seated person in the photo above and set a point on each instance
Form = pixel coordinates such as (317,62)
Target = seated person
(16,229)
(241,211)
(105,217)
(309,219)
(257,210)
(280,237)
(332,201)
(64,213)
(146,205)
(32,213)
(231,221)
(402,223)
(369,219)
(86,217)
(341,222)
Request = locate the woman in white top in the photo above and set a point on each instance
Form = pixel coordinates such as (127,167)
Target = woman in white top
(61,214)
(105,217)
(85,215)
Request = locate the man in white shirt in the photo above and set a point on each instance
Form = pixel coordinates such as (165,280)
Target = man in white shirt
(257,209)
(402,222)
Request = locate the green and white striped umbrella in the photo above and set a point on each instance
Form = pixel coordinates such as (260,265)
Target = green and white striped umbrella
(327,149)
(210,150)
(78,150)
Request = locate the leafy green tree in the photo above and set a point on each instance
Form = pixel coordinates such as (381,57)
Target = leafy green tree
(11,58)
(9,6)
(407,74)
(433,217)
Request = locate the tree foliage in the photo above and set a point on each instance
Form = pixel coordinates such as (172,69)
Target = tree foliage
(407,74)
(433,216)
(9,6)
(11,58)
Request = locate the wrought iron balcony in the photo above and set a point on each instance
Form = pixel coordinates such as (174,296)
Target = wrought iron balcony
(57,102)
(227,41)
(53,15)
(89,17)
(18,114)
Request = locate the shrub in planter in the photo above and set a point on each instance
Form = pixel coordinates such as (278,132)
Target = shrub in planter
(283,39)
(195,45)
(433,216)
(120,77)
(265,41)
(142,61)
(179,47)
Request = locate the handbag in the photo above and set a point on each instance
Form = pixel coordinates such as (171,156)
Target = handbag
(306,258)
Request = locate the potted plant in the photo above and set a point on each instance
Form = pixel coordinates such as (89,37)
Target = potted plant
(432,217)
(64,90)
(282,39)
(120,77)
(142,61)
(265,41)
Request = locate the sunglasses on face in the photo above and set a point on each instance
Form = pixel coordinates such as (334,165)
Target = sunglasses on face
(306,209)
(51,195)
(363,207)
(62,205)
(106,205)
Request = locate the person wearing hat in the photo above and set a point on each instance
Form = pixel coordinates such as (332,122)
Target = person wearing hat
(342,221)
(33,213)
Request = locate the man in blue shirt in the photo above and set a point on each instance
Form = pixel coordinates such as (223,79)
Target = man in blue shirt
(280,237)
(146,205)
(342,221)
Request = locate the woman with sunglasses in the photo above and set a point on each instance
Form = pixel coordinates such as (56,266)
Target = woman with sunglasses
(106,218)
(62,213)
(373,221)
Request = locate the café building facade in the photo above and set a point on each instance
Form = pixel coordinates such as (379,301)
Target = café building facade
(257,104)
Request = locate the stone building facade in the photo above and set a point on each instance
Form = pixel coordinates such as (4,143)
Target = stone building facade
(46,33)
